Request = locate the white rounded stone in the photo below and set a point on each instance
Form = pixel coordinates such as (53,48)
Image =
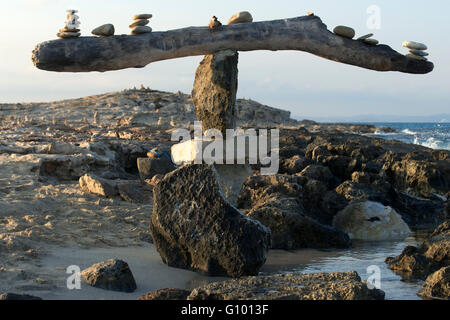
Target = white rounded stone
(371,221)
(240,17)
(414,45)
(141,30)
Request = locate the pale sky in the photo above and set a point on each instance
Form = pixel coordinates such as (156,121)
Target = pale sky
(308,86)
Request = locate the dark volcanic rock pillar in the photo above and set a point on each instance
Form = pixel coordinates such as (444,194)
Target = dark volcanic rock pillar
(194,227)
(215,88)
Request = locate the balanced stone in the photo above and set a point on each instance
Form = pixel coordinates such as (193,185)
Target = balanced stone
(105,30)
(367,36)
(140,22)
(240,17)
(141,30)
(419,53)
(414,45)
(372,42)
(67,35)
(344,31)
(214,93)
(65,29)
(142,16)
(413,56)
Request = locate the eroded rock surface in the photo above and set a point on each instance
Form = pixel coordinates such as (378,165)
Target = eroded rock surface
(112,275)
(194,227)
(319,286)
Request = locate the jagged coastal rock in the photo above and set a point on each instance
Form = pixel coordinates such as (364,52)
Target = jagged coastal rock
(215,88)
(344,31)
(194,227)
(105,30)
(420,262)
(240,17)
(437,285)
(287,286)
(275,201)
(112,275)
(371,221)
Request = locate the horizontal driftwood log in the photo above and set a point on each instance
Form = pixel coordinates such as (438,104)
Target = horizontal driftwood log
(307,34)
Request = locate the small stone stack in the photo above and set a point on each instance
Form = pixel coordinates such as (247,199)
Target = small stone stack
(368,40)
(139,25)
(71,27)
(416,50)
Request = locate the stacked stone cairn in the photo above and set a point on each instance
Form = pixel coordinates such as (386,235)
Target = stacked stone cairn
(71,27)
(139,25)
(416,50)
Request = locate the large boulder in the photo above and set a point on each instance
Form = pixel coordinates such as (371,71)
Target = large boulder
(215,88)
(369,220)
(420,262)
(112,275)
(194,227)
(275,202)
(319,286)
(437,285)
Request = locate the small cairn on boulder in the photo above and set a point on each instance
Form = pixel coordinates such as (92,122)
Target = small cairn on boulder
(345,32)
(105,30)
(214,23)
(71,27)
(140,22)
(368,40)
(416,50)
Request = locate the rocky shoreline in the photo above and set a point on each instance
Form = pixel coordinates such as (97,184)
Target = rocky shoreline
(70,176)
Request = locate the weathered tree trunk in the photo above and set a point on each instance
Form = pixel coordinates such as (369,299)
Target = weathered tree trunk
(303,34)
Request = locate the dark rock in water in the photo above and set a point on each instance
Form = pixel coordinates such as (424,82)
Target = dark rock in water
(215,88)
(14,296)
(319,286)
(275,202)
(112,275)
(148,168)
(166,294)
(437,285)
(420,262)
(194,227)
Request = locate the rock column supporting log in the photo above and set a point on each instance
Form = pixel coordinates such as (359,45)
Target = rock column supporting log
(215,88)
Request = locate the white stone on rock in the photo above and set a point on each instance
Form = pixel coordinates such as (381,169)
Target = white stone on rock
(105,30)
(414,45)
(371,221)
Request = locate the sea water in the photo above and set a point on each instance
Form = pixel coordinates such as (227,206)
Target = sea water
(431,135)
